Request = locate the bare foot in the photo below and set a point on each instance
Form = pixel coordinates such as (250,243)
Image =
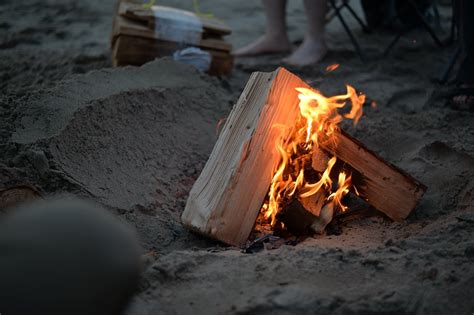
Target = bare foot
(310,52)
(463,98)
(266,44)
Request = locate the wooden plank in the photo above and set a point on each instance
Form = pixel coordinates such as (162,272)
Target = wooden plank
(383,185)
(297,218)
(319,160)
(222,63)
(314,203)
(141,49)
(131,50)
(226,198)
(123,26)
(138,13)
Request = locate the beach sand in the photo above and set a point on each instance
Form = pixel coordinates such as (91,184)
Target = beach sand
(134,140)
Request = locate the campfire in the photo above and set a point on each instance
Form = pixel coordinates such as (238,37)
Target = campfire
(282,157)
(304,172)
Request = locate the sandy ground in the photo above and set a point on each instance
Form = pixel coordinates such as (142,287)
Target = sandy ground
(135,139)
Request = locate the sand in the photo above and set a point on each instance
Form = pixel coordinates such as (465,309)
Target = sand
(135,139)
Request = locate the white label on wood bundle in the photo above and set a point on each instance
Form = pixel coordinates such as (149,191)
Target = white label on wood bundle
(177,25)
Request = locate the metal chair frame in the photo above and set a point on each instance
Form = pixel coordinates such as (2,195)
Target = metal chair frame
(337,10)
(409,4)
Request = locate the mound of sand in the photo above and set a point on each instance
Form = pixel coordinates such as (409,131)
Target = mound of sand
(133,139)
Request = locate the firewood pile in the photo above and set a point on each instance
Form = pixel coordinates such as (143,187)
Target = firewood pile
(141,34)
(283,158)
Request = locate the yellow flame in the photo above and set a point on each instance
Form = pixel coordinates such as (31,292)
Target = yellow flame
(343,185)
(318,119)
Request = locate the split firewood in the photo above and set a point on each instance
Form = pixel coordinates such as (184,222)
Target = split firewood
(299,221)
(136,12)
(133,50)
(226,198)
(296,218)
(228,195)
(319,160)
(314,203)
(327,213)
(383,185)
(141,34)
(123,26)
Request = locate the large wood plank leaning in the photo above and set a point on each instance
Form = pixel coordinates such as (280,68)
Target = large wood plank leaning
(225,200)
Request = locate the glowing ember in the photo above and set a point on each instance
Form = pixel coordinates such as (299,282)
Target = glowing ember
(332,67)
(318,119)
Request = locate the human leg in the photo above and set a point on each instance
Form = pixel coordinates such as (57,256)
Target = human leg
(313,48)
(275,39)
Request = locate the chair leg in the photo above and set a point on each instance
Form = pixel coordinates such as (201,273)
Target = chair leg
(425,24)
(436,15)
(358,19)
(452,35)
(332,13)
(449,67)
(389,47)
(348,31)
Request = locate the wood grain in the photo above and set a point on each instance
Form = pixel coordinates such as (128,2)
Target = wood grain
(226,198)
(381,184)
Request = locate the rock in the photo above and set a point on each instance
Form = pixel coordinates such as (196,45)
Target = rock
(38,160)
(469,251)
(466,217)
(430,274)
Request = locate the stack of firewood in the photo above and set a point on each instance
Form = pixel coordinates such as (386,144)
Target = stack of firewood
(143,33)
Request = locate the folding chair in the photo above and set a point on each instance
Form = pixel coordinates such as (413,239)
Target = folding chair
(408,4)
(337,12)
(457,53)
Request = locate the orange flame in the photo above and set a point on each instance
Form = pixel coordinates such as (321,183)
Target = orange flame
(344,183)
(319,117)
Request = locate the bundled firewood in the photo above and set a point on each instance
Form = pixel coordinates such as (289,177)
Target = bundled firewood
(281,154)
(141,34)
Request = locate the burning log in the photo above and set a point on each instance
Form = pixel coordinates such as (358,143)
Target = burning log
(300,219)
(383,185)
(246,175)
(296,218)
(226,198)
(319,160)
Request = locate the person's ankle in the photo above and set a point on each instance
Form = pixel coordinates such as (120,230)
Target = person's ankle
(315,40)
(277,37)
